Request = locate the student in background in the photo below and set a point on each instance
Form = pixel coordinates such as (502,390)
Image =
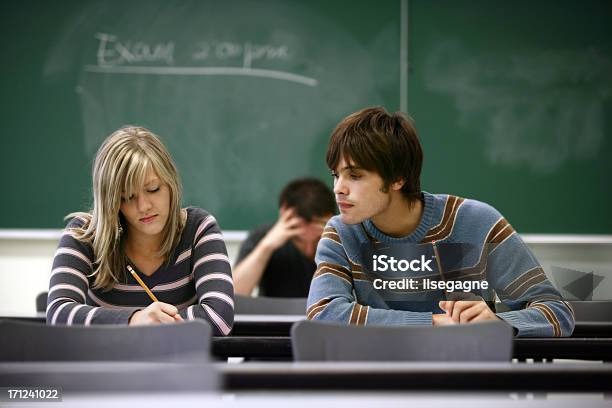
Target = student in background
(376,159)
(137,222)
(279,258)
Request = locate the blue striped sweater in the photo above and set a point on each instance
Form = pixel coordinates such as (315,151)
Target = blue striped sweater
(197,280)
(342,290)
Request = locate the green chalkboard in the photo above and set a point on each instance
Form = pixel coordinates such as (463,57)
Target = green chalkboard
(243,93)
(512,100)
(513,103)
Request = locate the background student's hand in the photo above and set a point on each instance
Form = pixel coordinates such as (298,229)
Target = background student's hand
(156,313)
(468,311)
(288,225)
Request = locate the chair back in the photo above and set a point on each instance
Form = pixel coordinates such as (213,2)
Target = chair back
(41,302)
(322,341)
(107,377)
(177,342)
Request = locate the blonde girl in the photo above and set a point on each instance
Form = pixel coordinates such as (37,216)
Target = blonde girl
(137,222)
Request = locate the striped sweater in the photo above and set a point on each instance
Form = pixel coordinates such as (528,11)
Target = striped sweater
(197,280)
(342,290)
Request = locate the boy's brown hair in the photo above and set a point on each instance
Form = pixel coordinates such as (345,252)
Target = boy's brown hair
(376,140)
(310,198)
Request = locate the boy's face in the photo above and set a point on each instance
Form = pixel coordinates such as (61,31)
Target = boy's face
(359,193)
(306,242)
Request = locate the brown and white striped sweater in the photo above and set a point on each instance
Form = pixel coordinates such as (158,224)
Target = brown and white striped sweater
(197,280)
(342,289)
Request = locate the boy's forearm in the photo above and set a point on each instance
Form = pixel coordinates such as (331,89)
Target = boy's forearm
(248,272)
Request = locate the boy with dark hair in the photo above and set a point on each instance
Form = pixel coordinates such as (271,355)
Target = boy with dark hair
(376,159)
(279,258)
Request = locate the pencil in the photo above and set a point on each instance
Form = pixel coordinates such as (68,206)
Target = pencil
(437,255)
(142,284)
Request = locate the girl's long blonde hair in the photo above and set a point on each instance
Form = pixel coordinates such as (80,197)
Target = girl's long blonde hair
(121,165)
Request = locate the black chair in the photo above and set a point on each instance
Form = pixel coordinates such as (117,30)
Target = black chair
(178,342)
(269,305)
(322,341)
(41,302)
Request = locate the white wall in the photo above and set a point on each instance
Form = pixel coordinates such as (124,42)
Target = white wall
(26,258)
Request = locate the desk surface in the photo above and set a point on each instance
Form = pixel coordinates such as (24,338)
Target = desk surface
(489,377)
(323,399)
(279,348)
(465,377)
(280,325)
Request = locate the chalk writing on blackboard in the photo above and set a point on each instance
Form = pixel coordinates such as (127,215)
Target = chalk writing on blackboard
(123,56)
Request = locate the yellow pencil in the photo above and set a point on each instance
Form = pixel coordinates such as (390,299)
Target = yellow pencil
(142,284)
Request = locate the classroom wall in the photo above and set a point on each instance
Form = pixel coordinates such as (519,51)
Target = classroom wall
(25,262)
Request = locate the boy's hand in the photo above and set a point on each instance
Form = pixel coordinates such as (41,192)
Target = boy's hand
(442,320)
(468,311)
(288,225)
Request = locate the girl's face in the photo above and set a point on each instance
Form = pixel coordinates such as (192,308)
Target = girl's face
(146,213)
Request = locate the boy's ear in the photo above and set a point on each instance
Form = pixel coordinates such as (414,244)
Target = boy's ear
(398,184)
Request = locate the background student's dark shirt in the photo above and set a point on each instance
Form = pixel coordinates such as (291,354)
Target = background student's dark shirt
(288,273)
